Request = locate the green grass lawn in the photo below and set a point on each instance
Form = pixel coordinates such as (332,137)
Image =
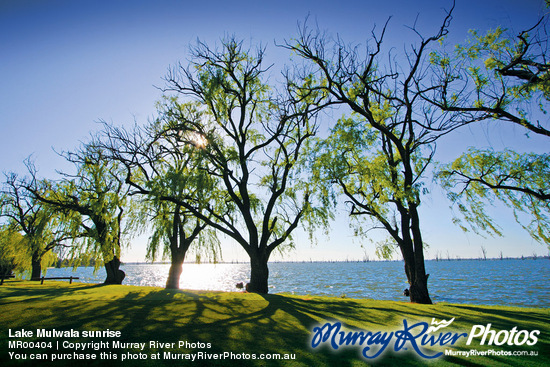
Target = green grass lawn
(244,323)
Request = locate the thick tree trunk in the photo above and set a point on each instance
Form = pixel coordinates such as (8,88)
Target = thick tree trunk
(174,274)
(36,264)
(419,284)
(419,290)
(259,273)
(114,274)
(179,244)
(5,270)
(416,275)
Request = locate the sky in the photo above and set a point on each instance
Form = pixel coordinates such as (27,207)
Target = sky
(65,65)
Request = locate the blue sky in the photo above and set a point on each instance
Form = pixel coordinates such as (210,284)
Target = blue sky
(67,64)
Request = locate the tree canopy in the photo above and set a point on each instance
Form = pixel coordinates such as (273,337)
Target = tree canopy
(32,227)
(162,172)
(500,78)
(376,155)
(95,198)
(252,138)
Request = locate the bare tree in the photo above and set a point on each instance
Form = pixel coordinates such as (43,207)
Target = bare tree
(484,252)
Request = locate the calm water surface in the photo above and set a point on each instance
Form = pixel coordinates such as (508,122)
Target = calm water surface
(495,282)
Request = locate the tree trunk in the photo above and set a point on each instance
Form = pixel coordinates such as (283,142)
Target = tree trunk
(419,290)
(179,245)
(419,285)
(416,275)
(259,273)
(5,270)
(174,274)
(36,264)
(114,274)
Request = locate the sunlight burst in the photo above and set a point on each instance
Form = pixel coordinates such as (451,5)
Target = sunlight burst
(198,140)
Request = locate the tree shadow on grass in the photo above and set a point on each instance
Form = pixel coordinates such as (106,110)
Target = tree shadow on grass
(35,290)
(236,323)
(502,316)
(244,324)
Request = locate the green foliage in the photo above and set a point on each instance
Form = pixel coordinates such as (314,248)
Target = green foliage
(497,75)
(498,53)
(254,137)
(32,228)
(502,78)
(385,249)
(185,184)
(376,156)
(206,245)
(519,181)
(357,161)
(93,203)
(164,164)
(14,253)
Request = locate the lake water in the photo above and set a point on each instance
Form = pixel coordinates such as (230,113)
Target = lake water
(492,282)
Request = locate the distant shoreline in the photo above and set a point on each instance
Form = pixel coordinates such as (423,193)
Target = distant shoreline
(339,261)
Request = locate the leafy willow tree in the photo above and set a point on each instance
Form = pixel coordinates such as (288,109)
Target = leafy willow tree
(41,229)
(501,79)
(377,155)
(175,232)
(14,255)
(163,172)
(250,141)
(95,199)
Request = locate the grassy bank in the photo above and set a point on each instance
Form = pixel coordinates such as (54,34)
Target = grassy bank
(244,323)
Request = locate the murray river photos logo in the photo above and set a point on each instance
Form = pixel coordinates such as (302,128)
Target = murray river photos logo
(424,339)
